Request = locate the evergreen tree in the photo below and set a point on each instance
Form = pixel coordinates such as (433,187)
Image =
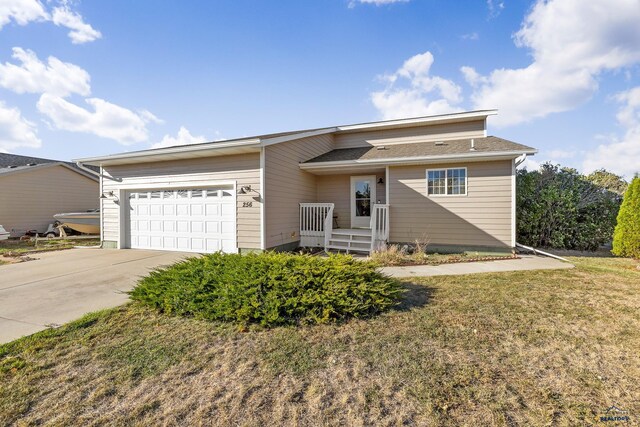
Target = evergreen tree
(626,237)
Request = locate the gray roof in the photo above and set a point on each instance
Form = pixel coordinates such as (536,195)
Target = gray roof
(14,162)
(486,145)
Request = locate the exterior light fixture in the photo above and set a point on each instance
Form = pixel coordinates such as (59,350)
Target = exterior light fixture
(109,195)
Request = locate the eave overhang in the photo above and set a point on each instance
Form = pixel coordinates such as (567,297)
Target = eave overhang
(418,160)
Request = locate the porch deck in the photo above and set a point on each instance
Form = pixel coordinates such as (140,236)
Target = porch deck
(317,230)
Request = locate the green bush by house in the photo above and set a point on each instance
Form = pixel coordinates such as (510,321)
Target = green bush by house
(269,288)
(626,238)
(557,207)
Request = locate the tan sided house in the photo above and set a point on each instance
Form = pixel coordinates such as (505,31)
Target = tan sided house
(354,187)
(33,189)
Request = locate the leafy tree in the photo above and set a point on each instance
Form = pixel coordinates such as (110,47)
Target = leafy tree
(608,180)
(560,208)
(626,238)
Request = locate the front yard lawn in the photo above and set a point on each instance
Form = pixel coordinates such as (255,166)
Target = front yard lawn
(554,347)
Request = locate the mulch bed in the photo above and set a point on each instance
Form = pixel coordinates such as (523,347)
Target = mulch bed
(453,261)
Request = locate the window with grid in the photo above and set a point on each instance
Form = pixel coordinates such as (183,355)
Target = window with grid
(447,182)
(436,182)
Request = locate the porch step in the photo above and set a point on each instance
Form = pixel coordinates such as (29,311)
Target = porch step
(350,240)
(352,231)
(364,242)
(348,249)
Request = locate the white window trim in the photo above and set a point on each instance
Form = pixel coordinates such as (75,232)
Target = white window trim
(466,184)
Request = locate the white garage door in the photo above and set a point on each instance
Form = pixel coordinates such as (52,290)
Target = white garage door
(193,220)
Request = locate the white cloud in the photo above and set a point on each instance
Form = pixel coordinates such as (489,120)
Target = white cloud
(572,42)
(412,91)
(149,117)
(34,76)
(21,12)
(15,130)
(530,164)
(184,137)
(24,11)
(106,120)
(621,155)
(495,7)
(470,36)
(81,32)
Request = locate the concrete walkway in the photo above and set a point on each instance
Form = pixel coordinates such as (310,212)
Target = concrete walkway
(526,262)
(61,286)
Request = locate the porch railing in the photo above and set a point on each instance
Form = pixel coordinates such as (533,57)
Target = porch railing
(379,226)
(316,224)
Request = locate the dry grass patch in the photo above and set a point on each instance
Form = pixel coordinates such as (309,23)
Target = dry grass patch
(521,348)
(395,255)
(21,247)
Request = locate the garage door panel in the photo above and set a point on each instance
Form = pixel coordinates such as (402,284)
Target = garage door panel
(197,244)
(198,220)
(182,226)
(182,243)
(228,245)
(196,226)
(212,227)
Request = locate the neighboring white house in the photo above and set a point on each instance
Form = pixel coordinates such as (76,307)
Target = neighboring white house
(353,187)
(32,190)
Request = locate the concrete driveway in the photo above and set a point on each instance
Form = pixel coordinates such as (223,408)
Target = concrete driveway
(61,286)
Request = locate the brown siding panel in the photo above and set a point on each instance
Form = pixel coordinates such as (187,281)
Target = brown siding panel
(286,186)
(481,218)
(244,169)
(28,200)
(336,189)
(442,132)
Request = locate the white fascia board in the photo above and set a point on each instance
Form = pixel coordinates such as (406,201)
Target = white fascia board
(419,120)
(263,219)
(498,155)
(278,139)
(213,146)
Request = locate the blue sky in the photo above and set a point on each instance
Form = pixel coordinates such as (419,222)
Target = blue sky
(84,78)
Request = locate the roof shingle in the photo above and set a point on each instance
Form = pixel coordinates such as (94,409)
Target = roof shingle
(12,162)
(489,144)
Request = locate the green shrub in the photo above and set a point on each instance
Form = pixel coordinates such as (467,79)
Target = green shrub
(626,238)
(269,288)
(559,208)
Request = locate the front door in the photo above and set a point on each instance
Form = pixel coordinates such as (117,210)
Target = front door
(363,196)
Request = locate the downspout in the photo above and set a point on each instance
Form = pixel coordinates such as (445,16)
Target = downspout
(520,159)
(538,251)
(99,175)
(86,169)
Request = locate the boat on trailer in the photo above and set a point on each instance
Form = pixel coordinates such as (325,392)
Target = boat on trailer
(4,234)
(85,222)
